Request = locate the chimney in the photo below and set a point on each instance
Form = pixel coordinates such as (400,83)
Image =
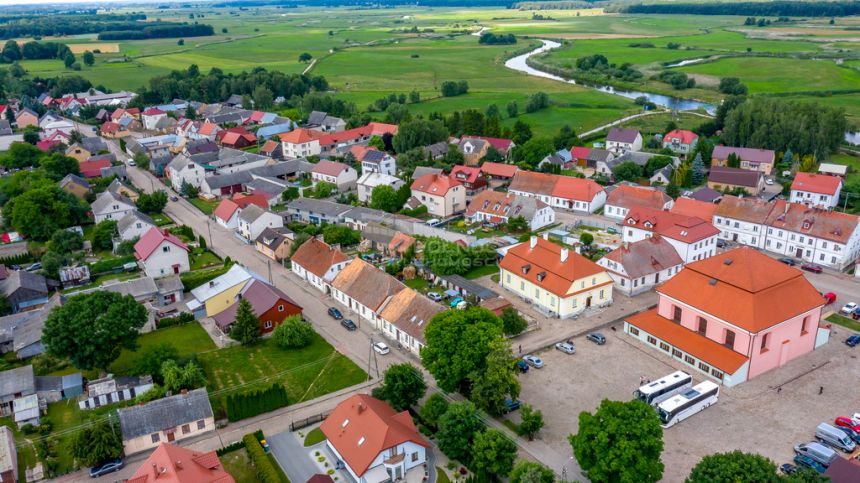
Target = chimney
(211,283)
(546,235)
(360,408)
(532,242)
(564,254)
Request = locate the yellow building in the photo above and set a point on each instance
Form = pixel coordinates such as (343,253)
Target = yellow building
(220,293)
(557,281)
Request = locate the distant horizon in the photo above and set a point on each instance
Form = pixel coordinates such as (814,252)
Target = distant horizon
(26,3)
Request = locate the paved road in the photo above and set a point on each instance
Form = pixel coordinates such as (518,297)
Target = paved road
(293,456)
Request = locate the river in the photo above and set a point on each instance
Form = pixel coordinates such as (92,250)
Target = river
(519,63)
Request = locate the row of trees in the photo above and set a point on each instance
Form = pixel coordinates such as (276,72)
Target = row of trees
(452,88)
(160,31)
(30,25)
(13,52)
(767,9)
(490,38)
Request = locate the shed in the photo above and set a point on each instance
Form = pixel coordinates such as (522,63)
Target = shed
(463,286)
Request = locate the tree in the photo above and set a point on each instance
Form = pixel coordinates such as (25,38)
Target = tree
(498,380)
(733,161)
(69,59)
(293,333)
(91,330)
(732,86)
(656,163)
(38,213)
(324,189)
(246,326)
(512,109)
(627,171)
(89,58)
(56,166)
(151,203)
(672,190)
(402,386)
(152,358)
(385,198)
(176,378)
(417,133)
(433,409)
(458,342)
(397,114)
(180,42)
(341,234)
(305,57)
(536,102)
(532,152)
(414,97)
(522,132)
(517,223)
(457,430)
(698,170)
(21,155)
(31,136)
(493,454)
(512,322)
(11,51)
(263,98)
(290,194)
(104,234)
(531,472)
(621,441)
(5,306)
(586,238)
(734,466)
(97,444)
(565,138)
(201,242)
(52,262)
(66,241)
(531,421)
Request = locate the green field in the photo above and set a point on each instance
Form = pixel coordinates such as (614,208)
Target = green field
(773,75)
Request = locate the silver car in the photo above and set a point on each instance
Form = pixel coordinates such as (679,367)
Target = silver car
(566,347)
(533,361)
(434,296)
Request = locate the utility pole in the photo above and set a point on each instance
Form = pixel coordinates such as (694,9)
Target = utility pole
(269,266)
(209,228)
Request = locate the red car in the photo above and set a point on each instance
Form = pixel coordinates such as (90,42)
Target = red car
(811,267)
(847,422)
(829,297)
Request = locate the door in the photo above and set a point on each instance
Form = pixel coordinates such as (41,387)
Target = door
(734,237)
(176,268)
(799,253)
(657,278)
(170,437)
(588,302)
(171,298)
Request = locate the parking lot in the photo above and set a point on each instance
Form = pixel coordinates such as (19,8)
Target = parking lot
(752,417)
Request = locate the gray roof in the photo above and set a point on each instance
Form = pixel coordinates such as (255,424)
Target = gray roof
(23,279)
(221,180)
(179,162)
(168,412)
(170,283)
(94,144)
(323,207)
(226,156)
(5,128)
(599,155)
(197,146)
(422,170)
(283,169)
(367,215)
(226,118)
(25,328)
(251,213)
(373,156)
(20,379)
(69,178)
(622,135)
(706,194)
(272,186)
(139,288)
(132,217)
(234,99)
(734,176)
(470,286)
(273,238)
(104,200)
(318,118)
(640,158)
(437,149)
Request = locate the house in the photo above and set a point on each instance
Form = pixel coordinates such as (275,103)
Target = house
(58,388)
(555,280)
(269,303)
(662,176)
(472,149)
(363,288)
(237,140)
(772,319)
(75,185)
(272,149)
(300,143)
(751,159)
(15,383)
(229,160)
(400,243)
(816,190)
(743,220)
(374,442)
(339,174)
(174,464)
(706,194)
(111,206)
(8,456)
(227,212)
(24,290)
(134,225)
(21,332)
(640,266)
(471,177)
(626,196)
(27,410)
(605,165)
(220,292)
(78,152)
(273,130)
(404,317)
(114,130)
(253,220)
(499,174)
(503,146)
(579,156)
(680,141)
(339,142)
(109,390)
(496,207)
(690,207)
(373,160)
(314,211)
(620,140)
(693,238)
(828,238)
(275,243)
(729,179)
(182,170)
(199,146)
(599,159)
(169,419)
(436,150)
(442,195)
(119,188)
(318,263)
(372,179)
(161,253)
(321,121)
(151,117)
(93,168)
(26,117)
(559,191)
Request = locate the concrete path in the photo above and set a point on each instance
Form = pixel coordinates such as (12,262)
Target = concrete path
(293,456)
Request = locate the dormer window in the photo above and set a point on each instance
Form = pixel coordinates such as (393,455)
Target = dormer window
(361,441)
(648,224)
(526,269)
(345,422)
(541,276)
(631,221)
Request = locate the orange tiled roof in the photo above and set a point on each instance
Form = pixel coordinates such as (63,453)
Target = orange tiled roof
(175,464)
(579,189)
(531,182)
(225,209)
(300,136)
(330,168)
(317,257)
(686,229)
(434,184)
(695,208)
(829,225)
(545,260)
(499,170)
(629,196)
(367,284)
(816,183)
(372,129)
(754,210)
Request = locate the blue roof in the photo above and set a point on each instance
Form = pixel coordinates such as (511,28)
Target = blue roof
(274,130)
(564,154)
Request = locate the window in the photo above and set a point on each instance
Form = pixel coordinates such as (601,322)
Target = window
(186,429)
(622,282)
(280,308)
(634,330)
(716,373)
(689,360)
(155,438)
(764,340)
(652,340)
(804,325)
(601,294)
(676,353)
(165,248)
(508,277)
(703,326)
(704,367)
(730,339)
(676,314)
(267,324)
(414,457)
(664,346)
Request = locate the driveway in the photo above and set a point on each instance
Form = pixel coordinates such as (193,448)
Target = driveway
(292,455)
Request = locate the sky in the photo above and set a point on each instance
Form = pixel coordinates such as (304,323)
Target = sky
(56,2)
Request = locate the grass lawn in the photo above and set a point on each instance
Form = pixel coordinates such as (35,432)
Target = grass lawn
(26,452)
(315,436)
(846,322)
(479,272)
(161,219)
(206,207)
(418,284)
(103,278)
(204,260)
(189,339)
(442,477)
(779,74)
(238,464)
(853,163)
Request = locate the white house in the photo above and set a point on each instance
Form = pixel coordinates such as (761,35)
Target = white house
(625,196)
(743,220)
(566,192)
(253,220)
(169,419)
(111,206)
(150,118)
(816,190)
(373,160)
(375,442)
(183,170)
(372,179)
(363,288)
(491,206)
(404,317)
(134,225)
(442,195)
(640,266)
(161,253)
(300,143)
(318,263)
(620,140)
(336,173)
(693,238)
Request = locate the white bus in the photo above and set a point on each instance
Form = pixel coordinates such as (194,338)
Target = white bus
(658,391)
(682,406)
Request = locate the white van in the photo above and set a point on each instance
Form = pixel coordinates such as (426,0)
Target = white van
(834,437)
(434,222)
(817,451)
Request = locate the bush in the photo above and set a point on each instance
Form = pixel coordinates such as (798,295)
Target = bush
(192,280)
(110,265)
(265,471)
(293,333)
(181,319)
(249,404)
(230,448)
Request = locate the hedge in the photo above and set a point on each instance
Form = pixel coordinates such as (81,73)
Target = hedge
(192,280)
(265,471)
(181,319)
(19,259)
(246,405)
(230,448)
(110,265)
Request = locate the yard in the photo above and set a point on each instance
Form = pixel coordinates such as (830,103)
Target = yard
(189,339)
(846,322)
(203,259)
(161,219)
(239,465)
(26,452)
(207,207)
(483,271)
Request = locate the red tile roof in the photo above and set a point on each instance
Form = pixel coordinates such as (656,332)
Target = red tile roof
(816,183)
(372,129)
(330,168)
(531,182)
(153,111)
(231,138)
(696,208)
(244,200)
(225,210)
(300,136)
(46,145)
(93,169)
(152,239)
(466,174)
(499,144)
(683,136)
(544,260)
(361,427)
(269,146)
(571,188)
(262,297)
(825,224)
(578,152)
(317,257)
(109,127)
(434,184)
(208,128)
(629,196)
(499,170)
(175,464)
(754,210)
(686,229)
(763,292)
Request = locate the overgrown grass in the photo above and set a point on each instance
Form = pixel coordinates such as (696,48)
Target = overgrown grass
(238,464)
(189,339)
(418,284)
(207,207)
(205,259)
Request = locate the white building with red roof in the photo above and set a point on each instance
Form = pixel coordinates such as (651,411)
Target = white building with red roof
(318,263)
(693,238)
(566,192)
(160,253)
(640,266)
(828,238)
(339,174)
(472,178)
(442,195)
(170,463)
(496,207)
(339,142)
(816,190)
(680,141)
(300,143)
(227,212)
(375,442)
(151,116)
(625,196)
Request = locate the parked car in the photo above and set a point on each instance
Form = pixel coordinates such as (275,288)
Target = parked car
(846,309)
(335,313)
(511,405)
(853,340)
(456,301)
(166,313)
(131,162)
(854,435)
(534,361)
(381,348)
(348,324)
(566,347)
(768,181)
(522,366)
(105,468)
(434,296)
(846,422)
(811,267)
(856,314)
(722,244)
(596,337)
(788,261)
(788,468)
(34,267)
(174,198)
(829,297)
(808,462)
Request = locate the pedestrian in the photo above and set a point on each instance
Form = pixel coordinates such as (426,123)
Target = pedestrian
(641,380)
(820,390)
(779,389)
(521,348)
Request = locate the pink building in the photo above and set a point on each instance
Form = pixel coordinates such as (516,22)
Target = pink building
(734,316)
